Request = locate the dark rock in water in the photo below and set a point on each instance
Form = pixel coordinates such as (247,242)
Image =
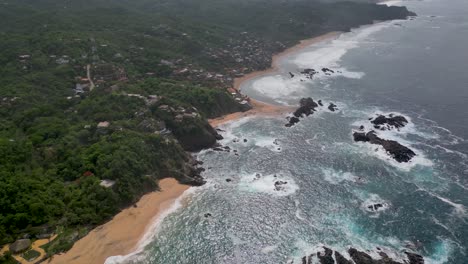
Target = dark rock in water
(361,127)
(195,180)
(332,107)
(19,246)
(218,149)
(398,152)
(279,185)
(291,74)
(327,70)
(414,258)
(309,73)
(386,123)
(245,140)
(320,102)
(326,257)
(228,180)
(220,130)
(207,215)
(363,258)
(199,170)
(375,207)
(306,108)
(358,257)
(219,137)
(340,259)
(292,121)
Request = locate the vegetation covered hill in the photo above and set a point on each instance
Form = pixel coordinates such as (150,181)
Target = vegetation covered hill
(76,148)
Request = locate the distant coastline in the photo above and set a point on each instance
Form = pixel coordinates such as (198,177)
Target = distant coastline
(123,234)
(261,108)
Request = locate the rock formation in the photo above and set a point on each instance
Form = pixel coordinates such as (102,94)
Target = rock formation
(398,152)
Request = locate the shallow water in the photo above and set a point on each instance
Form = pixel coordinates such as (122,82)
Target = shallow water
(416,68)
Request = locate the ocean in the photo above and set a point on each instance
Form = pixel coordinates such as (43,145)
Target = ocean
(416,68)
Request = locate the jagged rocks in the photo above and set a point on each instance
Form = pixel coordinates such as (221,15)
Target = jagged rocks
(292,121)
(387,123)
(306,108)
(332,107)
(398,152)
(358,257)
(327,71)
(326,257)
(376,207)
(279,185)
(414,258)
(340,259)
(309,73)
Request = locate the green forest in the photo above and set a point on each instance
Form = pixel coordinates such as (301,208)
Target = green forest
(152,62)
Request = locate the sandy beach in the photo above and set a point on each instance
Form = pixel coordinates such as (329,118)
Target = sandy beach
(261,108)
(121,235)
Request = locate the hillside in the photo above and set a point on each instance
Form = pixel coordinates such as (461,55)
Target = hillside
(99,99)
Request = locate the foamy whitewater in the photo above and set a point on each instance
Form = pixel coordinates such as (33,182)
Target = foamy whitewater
(290,191)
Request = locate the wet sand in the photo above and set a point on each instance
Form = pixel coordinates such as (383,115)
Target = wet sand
(261,108)
(121,235)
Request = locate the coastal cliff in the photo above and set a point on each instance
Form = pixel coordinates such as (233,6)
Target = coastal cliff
(103,111)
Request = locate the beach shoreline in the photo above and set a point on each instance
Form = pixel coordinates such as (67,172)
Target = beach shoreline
(262,108)
(126,231)
(123,234)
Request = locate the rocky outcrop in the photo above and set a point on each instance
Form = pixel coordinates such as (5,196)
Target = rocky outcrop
(195,134)
(357,257)
(389,122)
(306,108)
(414,258)
(19,246)
(189,172)
(340,259)
(397,151)
(279,185)
(309,73)
(332,107)
(326,257)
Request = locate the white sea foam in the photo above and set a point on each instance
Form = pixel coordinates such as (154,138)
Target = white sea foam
(268,249)
(380,153)
(391,3)
(270,143)
(330,55)
(278,87)
(336,177)
(150,233)
(459,209)
(257,182)
(369,200)
(394,134)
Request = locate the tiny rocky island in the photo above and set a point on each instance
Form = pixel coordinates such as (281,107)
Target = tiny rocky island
(396,150)
(307,106)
